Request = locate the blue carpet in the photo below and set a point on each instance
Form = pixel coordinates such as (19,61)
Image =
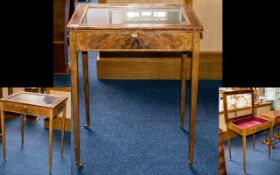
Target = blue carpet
(135,127)
(33,158)
(258,162)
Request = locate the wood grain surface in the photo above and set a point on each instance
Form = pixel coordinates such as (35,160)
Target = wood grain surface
(122,40)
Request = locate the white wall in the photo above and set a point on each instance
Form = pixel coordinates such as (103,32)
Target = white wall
(210,14)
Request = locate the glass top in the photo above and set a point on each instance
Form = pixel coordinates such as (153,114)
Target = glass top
(103,16)
(36,99)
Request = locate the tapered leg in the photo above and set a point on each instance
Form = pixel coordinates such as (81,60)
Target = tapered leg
(183,89)
(244,152)
(86,92)
(22,128)
(0,118)
(75,95)
(229,145)
(194,86)
(270,141)
(50,140)
(254,141)
(63,129)
(265,140)
(3,133)
(277,136)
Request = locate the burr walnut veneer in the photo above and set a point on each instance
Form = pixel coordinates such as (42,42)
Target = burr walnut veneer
(134,28)
(41,105)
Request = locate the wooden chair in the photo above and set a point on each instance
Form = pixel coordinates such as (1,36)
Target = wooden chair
(245,125)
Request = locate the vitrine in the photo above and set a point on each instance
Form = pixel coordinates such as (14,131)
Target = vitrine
(246,124)
(41,105)
(135,28)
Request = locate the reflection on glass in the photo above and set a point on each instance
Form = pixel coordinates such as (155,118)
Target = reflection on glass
(101,16)
(239,101)
(34,99)
(146,17)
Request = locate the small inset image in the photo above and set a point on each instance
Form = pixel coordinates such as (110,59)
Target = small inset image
(35,130)
(249,135)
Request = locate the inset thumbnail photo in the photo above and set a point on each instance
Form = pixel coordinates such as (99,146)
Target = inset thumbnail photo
(249,121)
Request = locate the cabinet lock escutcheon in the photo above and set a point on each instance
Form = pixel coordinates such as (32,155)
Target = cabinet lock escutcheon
(134,35)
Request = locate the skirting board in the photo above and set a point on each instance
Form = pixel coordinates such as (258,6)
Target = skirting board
(153,66)
(57,124)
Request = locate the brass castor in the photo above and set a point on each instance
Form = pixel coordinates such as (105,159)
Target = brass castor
(181,125)
(86,126)
(79,165)
(190,164)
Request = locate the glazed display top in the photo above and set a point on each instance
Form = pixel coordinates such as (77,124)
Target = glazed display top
(35,99)
(144,16)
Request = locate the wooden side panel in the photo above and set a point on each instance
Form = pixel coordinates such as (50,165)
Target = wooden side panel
(57,121)
(61,13)
(137,40)
(65,92)
(57,124)
(159,66)
(263,109)
(58,109)
(1,92)
(58,20)
(28,109)
(60,64)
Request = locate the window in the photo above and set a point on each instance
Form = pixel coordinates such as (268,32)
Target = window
(270,94)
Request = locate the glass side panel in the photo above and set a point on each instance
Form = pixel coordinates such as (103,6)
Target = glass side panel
(34,99)
(107,16)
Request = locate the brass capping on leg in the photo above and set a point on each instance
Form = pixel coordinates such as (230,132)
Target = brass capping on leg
(190,163)
(79,165)
(86,126)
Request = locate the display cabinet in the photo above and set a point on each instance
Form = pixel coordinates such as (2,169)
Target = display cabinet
(241,107)
(154,66)
(41,105)
(58,120)
(246,124)
(158,28)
